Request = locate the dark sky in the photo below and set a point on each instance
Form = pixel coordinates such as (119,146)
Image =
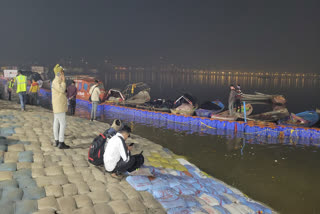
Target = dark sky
(224,34)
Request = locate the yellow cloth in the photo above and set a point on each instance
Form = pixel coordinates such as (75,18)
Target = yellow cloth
(10,84)
(34,88)
(21,82)
(59,97)
(57,69)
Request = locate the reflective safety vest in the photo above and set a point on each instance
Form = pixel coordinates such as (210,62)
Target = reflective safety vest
(21,82)
(10,84)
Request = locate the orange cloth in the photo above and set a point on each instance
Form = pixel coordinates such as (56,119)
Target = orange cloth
(34,87)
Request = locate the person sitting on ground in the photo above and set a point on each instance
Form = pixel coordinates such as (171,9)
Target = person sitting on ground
(117,156)
(33,91)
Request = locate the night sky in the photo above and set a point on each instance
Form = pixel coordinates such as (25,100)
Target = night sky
(219,34)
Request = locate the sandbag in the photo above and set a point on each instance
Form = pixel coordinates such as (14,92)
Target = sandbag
(186,210)
(140,183)
(164,192)
(33,193)
(172,202)
(26,156)
(26,206)
(8,167)
(184,189)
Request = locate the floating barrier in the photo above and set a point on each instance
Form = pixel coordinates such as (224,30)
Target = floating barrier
(191,124)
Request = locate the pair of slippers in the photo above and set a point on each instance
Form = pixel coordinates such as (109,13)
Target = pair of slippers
(118,177)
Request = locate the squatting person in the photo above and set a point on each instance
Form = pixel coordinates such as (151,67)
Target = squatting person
(117,157)
(59,106)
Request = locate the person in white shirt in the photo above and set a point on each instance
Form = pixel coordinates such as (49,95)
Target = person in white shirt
(94,93)
(117,157)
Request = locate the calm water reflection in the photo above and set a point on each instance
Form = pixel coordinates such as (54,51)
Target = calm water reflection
(301,92)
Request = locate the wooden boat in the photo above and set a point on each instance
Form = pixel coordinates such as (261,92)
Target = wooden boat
(277,99)
(133,95)
(271,116)
(185,105)
(226,116)
(84,85)
(304,119)
(203,112)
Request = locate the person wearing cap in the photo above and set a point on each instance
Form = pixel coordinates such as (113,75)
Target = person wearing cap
(94,93)
(117,157)
(59,106)
(71,95)
(21,83)
(232,99)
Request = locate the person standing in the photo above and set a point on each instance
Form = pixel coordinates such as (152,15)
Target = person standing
(232,98)
(238,98)
(72,95)
(59,106)
(94,93)
(10,88)
(33,91)
(21,83)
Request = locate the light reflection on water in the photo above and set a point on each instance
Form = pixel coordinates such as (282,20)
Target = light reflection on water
(301,92)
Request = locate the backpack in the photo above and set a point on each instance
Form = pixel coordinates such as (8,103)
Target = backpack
(96,149)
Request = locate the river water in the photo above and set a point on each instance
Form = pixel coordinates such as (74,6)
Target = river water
(284,176)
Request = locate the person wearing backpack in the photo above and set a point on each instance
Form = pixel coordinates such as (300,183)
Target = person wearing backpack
(117,157)
(94,95)
(98,145)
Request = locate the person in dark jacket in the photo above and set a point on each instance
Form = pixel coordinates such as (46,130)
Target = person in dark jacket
(238,98)
(72,95)
(232,99)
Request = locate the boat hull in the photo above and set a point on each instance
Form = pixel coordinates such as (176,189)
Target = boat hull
(303,119)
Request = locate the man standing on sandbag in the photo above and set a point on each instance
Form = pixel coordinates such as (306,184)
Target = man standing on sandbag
(117,157)
(59,106)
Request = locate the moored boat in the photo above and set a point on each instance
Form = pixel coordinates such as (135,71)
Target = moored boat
(277,99)
(271,116)
(208,108)
(184,105)
(304,119)
(84,85)
(226,116)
